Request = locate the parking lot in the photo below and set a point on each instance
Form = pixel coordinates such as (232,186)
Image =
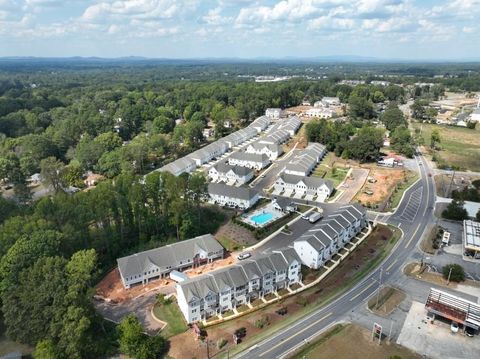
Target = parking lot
(435,340)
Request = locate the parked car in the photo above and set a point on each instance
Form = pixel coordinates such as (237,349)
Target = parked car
(470,332)
(244,255)
(454,327)
(305,216)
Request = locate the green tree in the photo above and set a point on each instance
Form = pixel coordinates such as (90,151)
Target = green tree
(393,117)
(109,141)
(52,171)
(366,145)
(454,272)
(434,138)
(163,124)
(455,211)
(134,343)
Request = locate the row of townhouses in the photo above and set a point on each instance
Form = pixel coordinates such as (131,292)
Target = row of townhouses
(231,175)
(319,112)
(249,160)
(327,102)
(319,244)
(222,290)
(304,162)
(140,268)
(216,149)
(300,186)
(241,197)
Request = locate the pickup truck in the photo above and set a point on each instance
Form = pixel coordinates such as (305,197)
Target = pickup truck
(315,216)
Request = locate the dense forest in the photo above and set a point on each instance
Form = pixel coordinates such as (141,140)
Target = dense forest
(123,119)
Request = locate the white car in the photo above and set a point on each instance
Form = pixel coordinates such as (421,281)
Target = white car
(454,327)
(244,255)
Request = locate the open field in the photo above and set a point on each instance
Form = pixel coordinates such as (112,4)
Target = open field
(371,252)
(351,341)
(170,314)
(459,147)
(386,301)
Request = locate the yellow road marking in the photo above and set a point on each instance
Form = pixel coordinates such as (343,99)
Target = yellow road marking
(296,334)
(413,235)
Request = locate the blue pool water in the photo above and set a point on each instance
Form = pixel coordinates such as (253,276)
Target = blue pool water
(262,218)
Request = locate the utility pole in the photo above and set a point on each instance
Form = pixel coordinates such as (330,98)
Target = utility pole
(379,287)
(449,274)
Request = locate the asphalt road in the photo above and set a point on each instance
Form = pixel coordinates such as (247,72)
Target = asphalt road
(413,215)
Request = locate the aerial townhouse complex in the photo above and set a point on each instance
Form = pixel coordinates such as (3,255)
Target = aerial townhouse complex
(140,268)
(231,175)
(222,290)
(324,240)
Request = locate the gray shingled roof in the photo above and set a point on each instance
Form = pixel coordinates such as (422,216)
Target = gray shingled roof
(253,157)
(223,167)
(241,192)
(167,256)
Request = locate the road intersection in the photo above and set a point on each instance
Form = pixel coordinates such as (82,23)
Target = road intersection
(412,216)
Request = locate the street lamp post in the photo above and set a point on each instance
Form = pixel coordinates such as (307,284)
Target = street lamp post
(449,274)
(379,287)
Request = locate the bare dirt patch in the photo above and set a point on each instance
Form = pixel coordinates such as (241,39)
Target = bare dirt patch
(354,342)
(386,301)
(234,237)
(380,185)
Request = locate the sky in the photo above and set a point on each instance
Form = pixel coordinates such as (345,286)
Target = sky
(389,29)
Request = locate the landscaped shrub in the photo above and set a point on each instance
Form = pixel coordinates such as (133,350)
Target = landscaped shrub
(221,343)
(457,273)
(302,301)
(262,322)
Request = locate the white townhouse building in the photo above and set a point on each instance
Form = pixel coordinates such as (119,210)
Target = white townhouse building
(475,116)
(331,101)
(159,262)
(177,167)
(250,160)
(233,175)
(260,123)
(209,152)
(274,113)
(304,162)
(241,197)
(272,151)
(318,245)
(313,186)
(227,288)
(319,113)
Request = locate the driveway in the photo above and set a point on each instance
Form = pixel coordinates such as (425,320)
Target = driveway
(352,185)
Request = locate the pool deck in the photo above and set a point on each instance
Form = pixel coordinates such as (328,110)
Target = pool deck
(276,214)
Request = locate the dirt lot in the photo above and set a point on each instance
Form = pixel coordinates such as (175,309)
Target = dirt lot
(385,182)
(354,342)
(186,346)
(234,237)
(111,286)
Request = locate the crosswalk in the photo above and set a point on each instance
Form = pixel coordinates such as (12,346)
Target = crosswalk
(411,209)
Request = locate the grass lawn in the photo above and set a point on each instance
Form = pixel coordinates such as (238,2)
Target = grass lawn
(351,341)
(228,244)
(386,301)
(171,315)
(459,147)
(337,175)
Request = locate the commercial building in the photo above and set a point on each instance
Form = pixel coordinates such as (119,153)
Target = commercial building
(471,237)
(219,291)
(159,262)
(232,175)
(241,197)
(324,240)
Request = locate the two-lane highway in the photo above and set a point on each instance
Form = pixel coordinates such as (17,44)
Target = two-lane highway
(413,215)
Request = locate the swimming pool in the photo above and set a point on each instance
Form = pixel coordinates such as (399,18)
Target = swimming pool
(262,218)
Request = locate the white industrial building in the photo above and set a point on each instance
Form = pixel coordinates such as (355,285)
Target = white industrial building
(241,197)
(219,291)
(232,175)
(324,240)
(159,262)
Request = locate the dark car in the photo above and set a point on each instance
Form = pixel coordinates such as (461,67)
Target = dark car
(470,332)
